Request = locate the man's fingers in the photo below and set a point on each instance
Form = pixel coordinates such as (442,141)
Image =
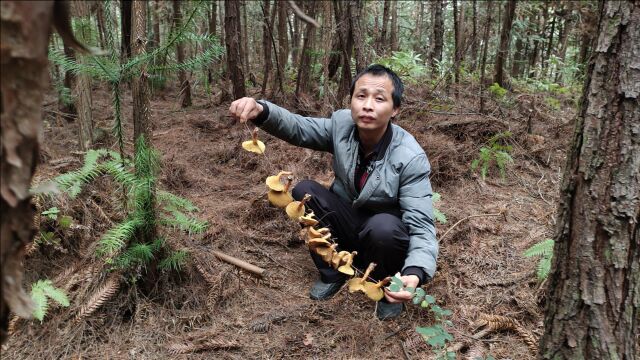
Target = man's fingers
(246,111)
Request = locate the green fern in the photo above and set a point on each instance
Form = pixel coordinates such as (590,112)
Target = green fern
(495,152)
(136,254)
(175,261)
(173,202)
(544,250)
(116,239)
(41,292)
(180,221)
(437,214)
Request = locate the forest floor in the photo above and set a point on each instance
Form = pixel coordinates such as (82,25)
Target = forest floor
(212,310)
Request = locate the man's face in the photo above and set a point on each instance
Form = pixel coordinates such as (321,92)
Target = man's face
(372,104)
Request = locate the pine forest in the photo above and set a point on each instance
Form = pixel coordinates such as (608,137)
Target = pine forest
(168,168)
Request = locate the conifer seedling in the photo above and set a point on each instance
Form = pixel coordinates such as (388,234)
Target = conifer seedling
(254,145)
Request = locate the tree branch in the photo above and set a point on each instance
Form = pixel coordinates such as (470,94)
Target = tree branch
(304,17)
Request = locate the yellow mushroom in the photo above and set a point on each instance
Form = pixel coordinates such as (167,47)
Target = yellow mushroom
(313,233)
(275,182)
(279,198)
(296,209)
(374,290)
(346,268)
(339,259)
(357,284)
(319,243)
(254,145)
(308,220)
(327,252)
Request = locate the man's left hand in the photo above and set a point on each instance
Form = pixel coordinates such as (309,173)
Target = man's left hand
(402,295)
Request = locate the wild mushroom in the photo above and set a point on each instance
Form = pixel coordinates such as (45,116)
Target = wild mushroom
(296,209)
(339,259)
(275,182)
(346,268)
(308,219)
(374,290)
(319,242)
(357,284)
(279,198)
(327,252)
(313,233)
(254,145)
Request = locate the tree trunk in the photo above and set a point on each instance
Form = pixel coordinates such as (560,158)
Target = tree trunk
(244,35)
(156,24)
(563,42)
(393,39)
(503,51)
(283,39)
(485,46)
(266,45)
(24,81)
(101,27)
(185,87)
(346,35)
(545,64)
(382,42)
(83,84)
(125,30)
(474,37)
(327,31)
(358,31)
(456,41)
(233,30)
(418,28)
(139,84)
(518,57)
(438,34)
(66,106)
(593,297)
(303,82)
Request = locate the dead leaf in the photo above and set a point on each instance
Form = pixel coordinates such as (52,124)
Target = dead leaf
(308,339)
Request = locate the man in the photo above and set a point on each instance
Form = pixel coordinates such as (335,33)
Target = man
(380,202)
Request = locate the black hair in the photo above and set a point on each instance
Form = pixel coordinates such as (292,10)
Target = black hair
(380,70)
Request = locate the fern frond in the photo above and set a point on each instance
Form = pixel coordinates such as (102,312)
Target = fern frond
(115,239)
(41,291)
(101,296)
(135,254)
(175,261)
(544,267)
(174,202)
(180,221)
(439,216)
(195,63)
(543,249)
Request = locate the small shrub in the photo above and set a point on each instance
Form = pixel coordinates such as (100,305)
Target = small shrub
(543,250)
(495,152)
(497,91)
(41,292)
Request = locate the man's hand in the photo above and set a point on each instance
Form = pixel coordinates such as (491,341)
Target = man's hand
(402,295)
(245,109)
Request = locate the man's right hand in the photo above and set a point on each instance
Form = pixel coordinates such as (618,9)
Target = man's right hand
(245,109)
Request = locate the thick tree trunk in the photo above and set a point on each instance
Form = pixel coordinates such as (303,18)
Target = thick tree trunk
(185,87)
(382,41)
(303,83)
(438,34)
(563,42)
(327,38)
(233,30)
(593,298)
(518,58)
(283,39)
(125,29)
(23,62)
(99,9)
(65,106)
(545,64)
(346,40)
(358,31)
(485,46)
(503,51)
(139,84)
(83,84)
(244,35)
(393,38)
(456,41)
(156,24)
(474,37)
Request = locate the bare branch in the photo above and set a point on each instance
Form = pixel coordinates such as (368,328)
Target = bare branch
(306,18)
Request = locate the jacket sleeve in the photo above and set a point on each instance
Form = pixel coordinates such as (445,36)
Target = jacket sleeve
(308,132)
(414,196)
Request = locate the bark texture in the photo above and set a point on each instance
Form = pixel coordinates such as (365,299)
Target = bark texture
(503,50)
(438,33)
(24,36)
(83,84)
(139,84)
(232,40)
(594,287)
(185,86)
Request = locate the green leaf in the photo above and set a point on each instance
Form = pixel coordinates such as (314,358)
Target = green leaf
(439,216)
(51,213)
(410,289)
(420,292)
(428,331)
(429,299)
(65,221)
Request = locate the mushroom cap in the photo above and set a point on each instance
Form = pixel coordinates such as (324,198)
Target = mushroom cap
(295,210)
(308,219)
(340,259)
(355,284)
(328,255)
(318,243)
(347,261)
(373,291)
(313,233)
(326,250)
(279,198)
(257,147)
(275,182)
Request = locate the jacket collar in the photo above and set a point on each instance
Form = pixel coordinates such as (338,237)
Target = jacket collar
(381,146)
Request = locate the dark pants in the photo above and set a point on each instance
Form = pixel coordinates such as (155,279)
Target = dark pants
(381,238)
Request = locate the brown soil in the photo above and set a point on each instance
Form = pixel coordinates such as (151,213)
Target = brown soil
(212,310)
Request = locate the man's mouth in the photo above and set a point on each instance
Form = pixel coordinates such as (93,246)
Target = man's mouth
(366,118)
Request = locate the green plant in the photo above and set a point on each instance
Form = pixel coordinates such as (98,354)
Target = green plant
(41,292)
(544,250)
(437,214)
(497,91)
(552,102)
(407,64)
(495,152)
(436,335)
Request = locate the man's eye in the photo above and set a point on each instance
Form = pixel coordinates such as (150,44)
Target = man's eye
(380,99)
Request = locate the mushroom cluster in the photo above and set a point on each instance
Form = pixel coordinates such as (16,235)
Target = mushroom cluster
(318,240)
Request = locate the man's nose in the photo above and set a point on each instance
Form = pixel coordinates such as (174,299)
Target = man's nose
(368,104)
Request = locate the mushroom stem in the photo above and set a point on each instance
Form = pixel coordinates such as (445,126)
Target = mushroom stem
(383,282)
(288,184)
(368,271)
(306,198)
(254,136)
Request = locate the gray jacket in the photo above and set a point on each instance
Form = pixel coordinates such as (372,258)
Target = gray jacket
(399,180)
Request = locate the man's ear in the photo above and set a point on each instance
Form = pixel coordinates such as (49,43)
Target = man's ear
(395,112)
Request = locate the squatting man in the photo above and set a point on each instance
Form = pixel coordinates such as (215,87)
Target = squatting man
(380,201)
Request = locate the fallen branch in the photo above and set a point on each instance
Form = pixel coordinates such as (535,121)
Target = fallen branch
(467,218)
(304,17)
(252,269)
